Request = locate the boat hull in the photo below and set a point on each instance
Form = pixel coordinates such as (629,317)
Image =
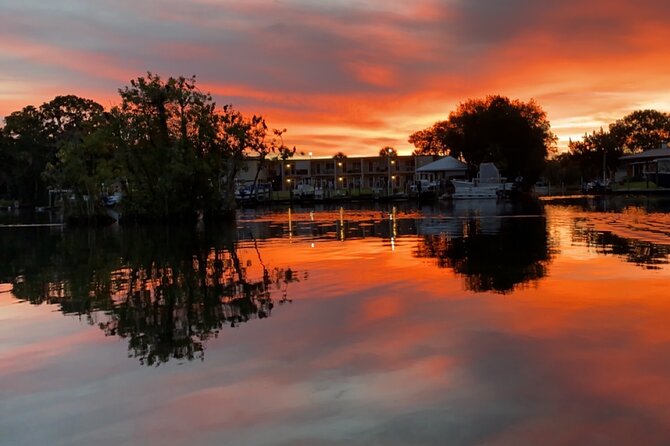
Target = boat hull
(468,190)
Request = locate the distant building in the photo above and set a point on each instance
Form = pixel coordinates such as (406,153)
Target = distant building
(651,164)
(367,172)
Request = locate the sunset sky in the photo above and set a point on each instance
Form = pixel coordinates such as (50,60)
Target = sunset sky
(348,75)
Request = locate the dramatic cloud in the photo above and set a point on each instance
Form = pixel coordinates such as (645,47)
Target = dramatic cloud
(348,75)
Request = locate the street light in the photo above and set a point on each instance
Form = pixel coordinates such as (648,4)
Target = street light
(388,188)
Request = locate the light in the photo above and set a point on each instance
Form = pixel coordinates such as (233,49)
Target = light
(288,165)
(339,164)
(393,162)
(310,154)
(341,178)
(393,177)
(288,180)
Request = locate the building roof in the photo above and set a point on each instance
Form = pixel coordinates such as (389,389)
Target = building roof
(446,164)
(648,154)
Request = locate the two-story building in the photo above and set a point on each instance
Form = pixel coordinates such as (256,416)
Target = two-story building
(367,172)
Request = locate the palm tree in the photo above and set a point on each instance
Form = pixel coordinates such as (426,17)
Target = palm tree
(388,152)
(338,160)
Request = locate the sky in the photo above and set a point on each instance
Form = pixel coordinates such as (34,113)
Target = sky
(348,75)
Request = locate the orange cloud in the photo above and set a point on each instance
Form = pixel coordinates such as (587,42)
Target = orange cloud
(352,77)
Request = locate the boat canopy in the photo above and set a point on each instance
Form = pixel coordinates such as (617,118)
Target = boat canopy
(489,173)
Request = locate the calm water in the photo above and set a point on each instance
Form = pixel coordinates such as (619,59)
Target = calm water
(472,323)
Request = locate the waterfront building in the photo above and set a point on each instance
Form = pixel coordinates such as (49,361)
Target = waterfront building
(351,173)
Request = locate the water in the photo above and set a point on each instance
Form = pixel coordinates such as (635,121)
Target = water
(471,323)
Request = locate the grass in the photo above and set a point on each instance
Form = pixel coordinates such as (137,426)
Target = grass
(636,185)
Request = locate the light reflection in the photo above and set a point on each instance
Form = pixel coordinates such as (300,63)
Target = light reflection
(399,346)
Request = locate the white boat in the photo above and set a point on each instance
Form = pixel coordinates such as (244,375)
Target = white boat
(488,184)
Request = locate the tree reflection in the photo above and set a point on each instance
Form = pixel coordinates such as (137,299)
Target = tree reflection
(641,253)
(166,290)
(516,253)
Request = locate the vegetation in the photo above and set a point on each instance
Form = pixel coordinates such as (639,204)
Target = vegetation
(514,135)
(167,148)
(173,154)
(599,151)
(388,152)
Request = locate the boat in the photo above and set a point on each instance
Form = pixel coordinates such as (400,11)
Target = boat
(248,192)
(423,189)
(488,184)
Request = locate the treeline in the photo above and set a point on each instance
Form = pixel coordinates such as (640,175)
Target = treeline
(167,148)
(599,152)
(517,137)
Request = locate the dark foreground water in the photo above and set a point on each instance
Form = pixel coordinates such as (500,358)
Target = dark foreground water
(472,323)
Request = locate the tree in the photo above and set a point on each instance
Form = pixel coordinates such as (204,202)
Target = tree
(641,130)
(513,134)
(180,152)
(388,152)
(167,146)
(34,136)
(262,148)
(27,151)
(596,154)
(77,128)
(338,160)
(431,141)
(339,156)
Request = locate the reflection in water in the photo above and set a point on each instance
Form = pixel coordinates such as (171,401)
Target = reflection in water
(642,253)
(167,291)
(384,347)
(514,254)
(495,245)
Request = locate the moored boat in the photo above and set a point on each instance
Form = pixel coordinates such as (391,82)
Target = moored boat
(488,184)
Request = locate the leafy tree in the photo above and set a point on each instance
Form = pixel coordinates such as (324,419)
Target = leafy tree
(641,130)
(5,160)
(167,146)
(77,128)
(595,152)
(432,141)
(27,152)
(513,134)
(34,136)
(263,148)
(68,119)
(163,128)
(563,169)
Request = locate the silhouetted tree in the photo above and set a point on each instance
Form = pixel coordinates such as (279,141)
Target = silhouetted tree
(594,152)
(641,130)
(433,140)
(513,134)
(388,152)
(34,138)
